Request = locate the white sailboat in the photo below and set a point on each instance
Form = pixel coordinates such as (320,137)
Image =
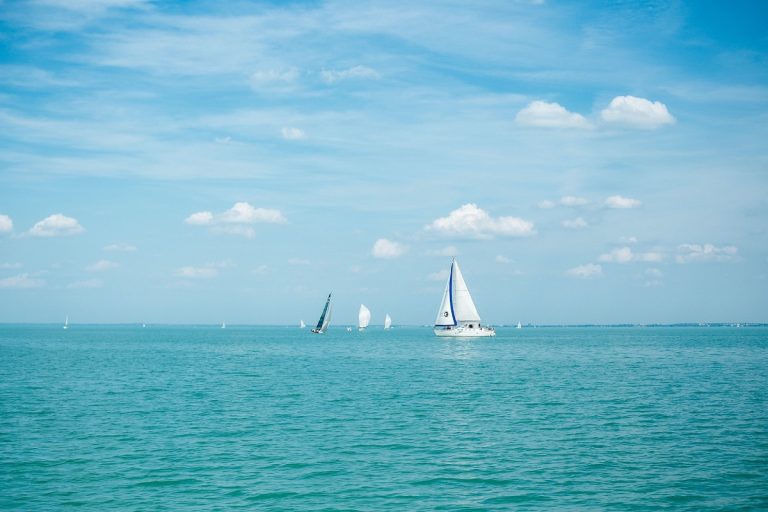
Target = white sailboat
(66,323)
(302,324)
(387,322)
(519,325)
(325,318)
(223,325)
(363,318)
(458,316)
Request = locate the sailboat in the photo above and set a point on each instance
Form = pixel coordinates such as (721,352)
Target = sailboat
(387,322)
(363,318)
(223,325)
(302,324)
(458,316)
(519,325)
(325,317)
(66,323)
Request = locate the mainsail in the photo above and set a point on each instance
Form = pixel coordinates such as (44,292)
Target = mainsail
(387,322)
(363,317)
(325,317)
(457,305)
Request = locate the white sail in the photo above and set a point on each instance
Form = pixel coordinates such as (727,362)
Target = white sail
(445,314)
(302,324)
(66,323)
(463,306)
(223,325)
(387,322)
(363,317)
(327,318)
(519,325)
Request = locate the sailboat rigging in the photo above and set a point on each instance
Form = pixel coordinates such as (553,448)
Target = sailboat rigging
(325,318)
(458,316)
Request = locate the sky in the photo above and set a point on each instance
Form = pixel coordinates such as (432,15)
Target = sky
(205,162)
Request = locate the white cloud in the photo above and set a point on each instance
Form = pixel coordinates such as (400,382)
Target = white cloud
(10,265)
(21,281)
(473,222)
(502,259)
(705,252)
(546,204)
(577,223)
(191,272)
(549,115)
(120,248)
(628,239)
(269,77)
(236,220)
(573,201)
(447,251)
(620,202)
(290,133)
(56,225)
(387,249)
(625,255)
(356,72)
(587,271)
(6,224)
(88,283)
(439,276)
(101,266)
(637,112)
(298,261)
(260,270)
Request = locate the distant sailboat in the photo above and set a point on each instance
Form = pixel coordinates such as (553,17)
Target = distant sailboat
(66,323)
(387,322)
(363,318)
(325,318)
(223,325)
(519,325)
(302,324)
(458,316)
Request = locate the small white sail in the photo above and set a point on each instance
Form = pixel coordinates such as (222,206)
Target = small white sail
(463,305)
(519,325)
(223,325)
(363,317)
(302,324)
(387,322)
(66,323)
(327,318)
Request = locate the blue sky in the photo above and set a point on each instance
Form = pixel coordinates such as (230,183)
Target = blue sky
(204,161)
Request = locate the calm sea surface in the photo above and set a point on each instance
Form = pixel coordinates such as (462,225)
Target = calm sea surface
(275,418)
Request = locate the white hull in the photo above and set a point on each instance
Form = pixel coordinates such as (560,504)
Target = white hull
(465,331)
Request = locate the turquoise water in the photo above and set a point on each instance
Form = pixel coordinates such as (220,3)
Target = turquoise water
(274,418)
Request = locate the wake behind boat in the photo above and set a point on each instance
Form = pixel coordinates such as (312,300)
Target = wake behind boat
(458,316)
(325,318)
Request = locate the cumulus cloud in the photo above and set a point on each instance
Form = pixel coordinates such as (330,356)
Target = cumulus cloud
(573,201)
(56,225)
(10,265)
(88,283)
(637,112)
(549,115)
(502,259)
(387,249)
(587,271)
(290,133)
(577,223)
(473,222)
(120,248)
(6,224)
(620,202)
(689,253)
(21,281)
(237,220)
(626,255)
(652,277)
(356,72)
(101,266)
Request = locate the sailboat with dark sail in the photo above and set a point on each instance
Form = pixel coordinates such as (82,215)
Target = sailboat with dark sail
(325,317)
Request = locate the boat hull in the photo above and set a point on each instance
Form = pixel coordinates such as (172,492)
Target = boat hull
(465,331)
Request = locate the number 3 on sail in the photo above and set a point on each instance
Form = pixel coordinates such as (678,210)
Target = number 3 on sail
(458,316)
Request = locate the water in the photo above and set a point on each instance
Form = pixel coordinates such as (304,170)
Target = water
(274,418)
